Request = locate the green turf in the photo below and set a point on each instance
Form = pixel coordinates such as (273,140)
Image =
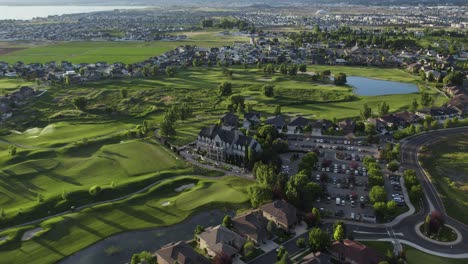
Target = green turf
(79,168)
(413,256)
(446,162)
(71,233)
(126,52)
(8,85)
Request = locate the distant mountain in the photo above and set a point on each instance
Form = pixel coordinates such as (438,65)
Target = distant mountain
(223,2)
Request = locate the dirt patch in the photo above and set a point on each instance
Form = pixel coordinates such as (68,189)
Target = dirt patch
(9,50)
(31,233)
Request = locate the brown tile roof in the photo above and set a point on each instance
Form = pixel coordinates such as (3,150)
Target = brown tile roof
(355,252)
(221,235)
(251,225)
(181,253)
(284,213)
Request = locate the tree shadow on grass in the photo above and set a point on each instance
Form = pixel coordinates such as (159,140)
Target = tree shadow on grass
(84,227)
(141,215)
(111,223)
(49,247)
(159,209)
(58,177)
(114,154)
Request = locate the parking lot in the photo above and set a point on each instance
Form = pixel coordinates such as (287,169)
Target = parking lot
(341,174)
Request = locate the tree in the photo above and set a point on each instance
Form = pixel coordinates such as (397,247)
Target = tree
(316,214)
(198,230)
(391,207)
(2,213)
(339,234)
(67,80)
(270,227)
(267,90)
(383,109)
(453,78)
(143,257)
(283,69)
(377,194)
(414,106)
(303,68)
(448,123)
(80,102)
(12,150)
(207,23)
(225,89)
(318,239)
(437,221)
(416,192)
(340,79)
(380,209)
(300,243)
(170,71)
(95,190)
(277,110)
(426,99)
(366,112)
(124,93)
(222,258)
(284,259)
(308,162)
(430,77)
(167,127)
(292,70)
(392,166)
(422,74)
(227,221)
(259,194)
(249,249)
(280,253)
(269,69)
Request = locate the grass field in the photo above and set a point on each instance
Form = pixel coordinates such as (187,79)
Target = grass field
(77,168)
(413,256)
(66,235)
(126,52)
(446,162)
(12,84)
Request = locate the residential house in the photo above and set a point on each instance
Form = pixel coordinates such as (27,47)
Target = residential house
(321,126)
(297,125)
(316,258)
(280,212)
(229,121)
(225,145)
(251,226)
(407,118)
(220,240)
(278,122)
(347,126)
(353,252)
(251,119)
(180,253)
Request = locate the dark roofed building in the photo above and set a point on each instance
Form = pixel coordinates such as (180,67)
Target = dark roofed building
(298,124)
(281,213)
(251,119)
(277,121)
(353,252)
(251,226)
(180,253)
(220,240)
(229,121)
(347,126)
(221,144)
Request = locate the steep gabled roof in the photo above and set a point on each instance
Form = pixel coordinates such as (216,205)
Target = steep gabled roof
(181,253)
(282,211)
(299,121)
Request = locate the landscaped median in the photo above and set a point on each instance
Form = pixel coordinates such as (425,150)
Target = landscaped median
(162,205)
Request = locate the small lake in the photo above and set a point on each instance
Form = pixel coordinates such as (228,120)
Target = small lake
(372,87)
(150,240)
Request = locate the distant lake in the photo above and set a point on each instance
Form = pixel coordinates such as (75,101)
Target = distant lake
(30,12)
(371,87)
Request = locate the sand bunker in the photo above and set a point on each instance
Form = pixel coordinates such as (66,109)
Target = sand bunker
(31,233)
(3,238)
(166,203)
(184,187)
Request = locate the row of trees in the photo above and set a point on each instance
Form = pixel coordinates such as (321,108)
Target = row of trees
(176,112)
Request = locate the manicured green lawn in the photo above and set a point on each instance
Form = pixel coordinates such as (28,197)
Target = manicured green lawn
(413,256)
(11,84)
(79,169)
(446,162)
(126,52)
(73,232)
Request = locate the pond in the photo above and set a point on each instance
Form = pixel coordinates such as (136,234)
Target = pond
(128,243)
(371,87)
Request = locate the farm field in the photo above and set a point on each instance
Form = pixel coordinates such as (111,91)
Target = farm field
(447,164)
(126,52)
(160,206)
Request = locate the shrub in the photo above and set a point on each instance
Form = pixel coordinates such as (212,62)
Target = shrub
(95,190)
